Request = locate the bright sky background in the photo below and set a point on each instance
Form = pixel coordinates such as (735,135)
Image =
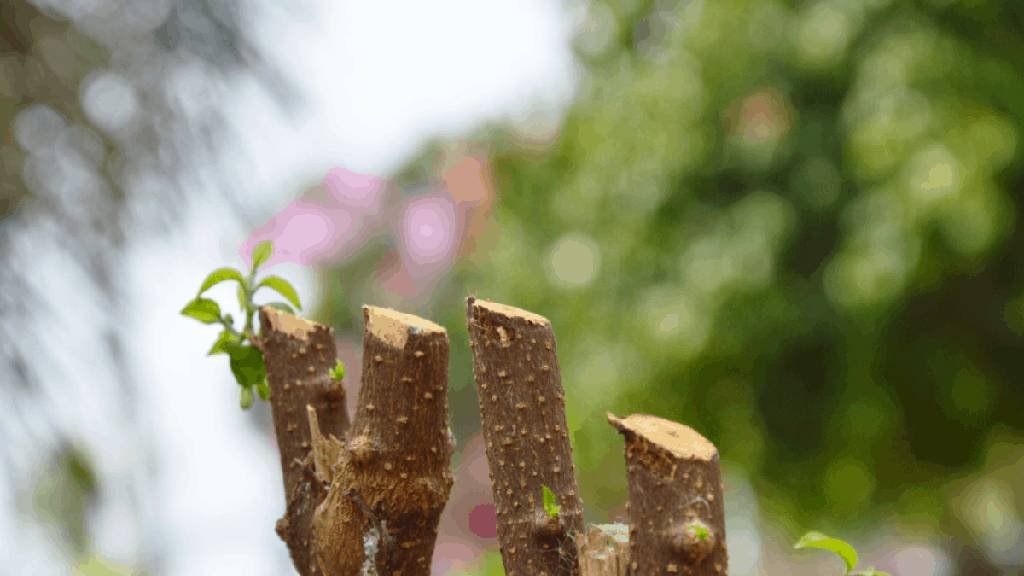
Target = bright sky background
(379,78)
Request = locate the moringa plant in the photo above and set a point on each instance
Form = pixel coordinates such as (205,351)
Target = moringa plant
(838,547)
(242,346)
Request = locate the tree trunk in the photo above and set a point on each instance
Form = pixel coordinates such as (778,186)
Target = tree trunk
(299,355)
(676,513)
(522,409)
(391,479)
(604,550)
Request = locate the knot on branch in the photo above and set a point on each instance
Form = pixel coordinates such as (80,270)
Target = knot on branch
(546,527)
(361,449)
(694,538)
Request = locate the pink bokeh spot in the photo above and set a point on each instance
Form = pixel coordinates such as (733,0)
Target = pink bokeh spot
(483,521)
(353,189)
(306,233)
(453,555)
(429,231)
(312,232)
(349,209)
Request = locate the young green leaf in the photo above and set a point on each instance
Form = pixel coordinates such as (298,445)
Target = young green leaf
(203,309)
(243,299)
(261,253)
(224,341)
(263,389)
(221,275)
(550,502)
(247,365)
(282,287)
(245,400)
(700,531)
(338,372)
(835,545)
(281,306)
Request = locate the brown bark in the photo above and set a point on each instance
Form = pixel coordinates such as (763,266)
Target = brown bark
(299,355)
(391,478)
(522,409)
(676,512)
(604,550)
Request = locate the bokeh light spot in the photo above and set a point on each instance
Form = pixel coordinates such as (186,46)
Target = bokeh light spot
(848,484)
(429,229)
(483,521)
(574,260)
(109,100)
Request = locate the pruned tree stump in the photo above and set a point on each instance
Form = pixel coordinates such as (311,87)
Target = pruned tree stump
(676,512)
(522,411)
(604,550)
(388,489)
(365,499)
(299,354)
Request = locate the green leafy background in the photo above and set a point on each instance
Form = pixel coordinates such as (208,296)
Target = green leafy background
(791,225)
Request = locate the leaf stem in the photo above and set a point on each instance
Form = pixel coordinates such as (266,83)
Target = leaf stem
(249,311)
(228,325)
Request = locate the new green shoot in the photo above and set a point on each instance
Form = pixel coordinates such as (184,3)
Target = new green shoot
(551,505)
(841,548)
(241,345)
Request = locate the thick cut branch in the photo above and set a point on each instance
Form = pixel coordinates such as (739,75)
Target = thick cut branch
(676,512)
(393,477)
(604,550)
(299,355)
(522,409)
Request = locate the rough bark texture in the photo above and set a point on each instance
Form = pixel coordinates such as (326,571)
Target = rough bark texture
(522,409)
(676,513)
(299,355)
(604,550)
(391,477)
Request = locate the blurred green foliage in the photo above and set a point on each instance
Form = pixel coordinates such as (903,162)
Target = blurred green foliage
(792,225)
(489,564)
(65,491)
(95,566)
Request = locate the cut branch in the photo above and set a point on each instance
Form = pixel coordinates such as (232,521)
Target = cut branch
(522,409)
(393,477)
(676,513)
(299,355)
(604,550)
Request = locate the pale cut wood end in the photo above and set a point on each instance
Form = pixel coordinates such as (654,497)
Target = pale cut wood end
(394,327)
(507,311)
(289,324)
(678,439)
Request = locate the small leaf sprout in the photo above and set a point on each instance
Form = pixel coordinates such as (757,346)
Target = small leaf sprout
(551,505)
(338,372)
(700,531)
